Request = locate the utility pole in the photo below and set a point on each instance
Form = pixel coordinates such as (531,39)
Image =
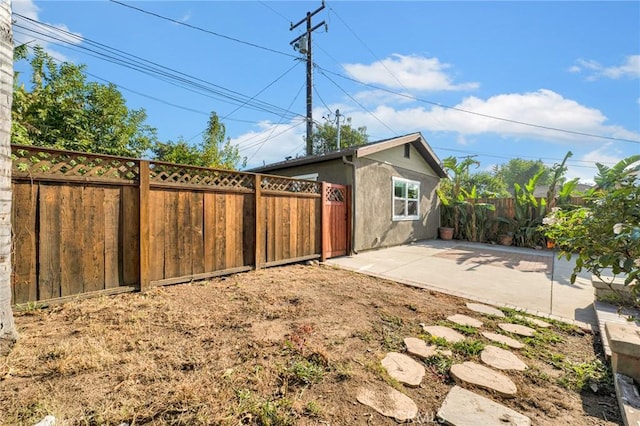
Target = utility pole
(338,123)
(304,46)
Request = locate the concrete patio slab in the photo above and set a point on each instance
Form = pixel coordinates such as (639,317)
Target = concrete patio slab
(508,276)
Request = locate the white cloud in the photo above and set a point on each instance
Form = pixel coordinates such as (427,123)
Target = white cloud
(377,97)
(606,154)
(543,107)
(408,72)
(33,33)
(186,17)
(630,68)
(271,142)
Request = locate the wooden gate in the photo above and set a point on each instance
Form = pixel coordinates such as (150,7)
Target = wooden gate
(336,215)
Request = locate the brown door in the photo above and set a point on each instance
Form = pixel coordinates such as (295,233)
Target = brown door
(335,220)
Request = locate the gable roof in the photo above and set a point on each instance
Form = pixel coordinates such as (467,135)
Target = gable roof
(416,139)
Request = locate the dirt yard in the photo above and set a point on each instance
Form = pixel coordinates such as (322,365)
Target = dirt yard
(289,345)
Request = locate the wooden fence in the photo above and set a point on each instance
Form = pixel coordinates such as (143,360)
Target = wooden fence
(506,208)
(91,223)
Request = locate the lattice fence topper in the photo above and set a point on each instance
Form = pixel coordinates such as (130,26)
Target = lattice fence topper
(270,183)
(32,161)
(335,194)
(170,173)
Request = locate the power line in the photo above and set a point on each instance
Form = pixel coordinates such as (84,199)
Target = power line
(274,127)
(367,47)
(158,71)
(175,21)
(226,117)
(263,89)
(504,157)
(321,100)
(508,120)
(266,4)
(359,104)
(153,69)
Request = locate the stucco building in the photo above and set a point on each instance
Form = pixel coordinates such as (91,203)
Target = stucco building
(393,187)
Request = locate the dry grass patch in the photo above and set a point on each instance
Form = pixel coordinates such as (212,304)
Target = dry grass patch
(286,345)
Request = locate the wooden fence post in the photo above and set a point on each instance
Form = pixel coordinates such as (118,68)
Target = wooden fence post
(324,238)
(259,228)
(144,224)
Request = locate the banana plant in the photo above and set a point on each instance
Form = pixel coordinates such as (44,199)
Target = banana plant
(529,213)
(451,193)
(477,219)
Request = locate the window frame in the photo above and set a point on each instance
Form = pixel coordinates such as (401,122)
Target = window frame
(405,198)
(307,176)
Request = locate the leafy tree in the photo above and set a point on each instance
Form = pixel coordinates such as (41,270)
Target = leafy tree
(604,235)
(62,109)
(325,138)
(520,171)
(487,184)
(215,150)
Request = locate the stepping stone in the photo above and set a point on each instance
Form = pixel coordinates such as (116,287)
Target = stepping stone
(403,368)
(501,359)
(465,320)
(388,402)
(505,340)
(485,309)
(521,330)
(448,334)
(483,377)
(464,408)
(535,321)
(419,348)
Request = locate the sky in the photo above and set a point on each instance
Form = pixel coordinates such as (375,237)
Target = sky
(496,80)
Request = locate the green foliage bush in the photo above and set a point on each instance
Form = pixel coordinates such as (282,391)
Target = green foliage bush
(605,235)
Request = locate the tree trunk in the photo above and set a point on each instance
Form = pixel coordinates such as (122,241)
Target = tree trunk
(7,327)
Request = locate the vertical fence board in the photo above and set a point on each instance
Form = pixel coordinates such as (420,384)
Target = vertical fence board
(241,218)
(71,240)
(93,238)
(259,220)
(130,236)
(249,241)
(49,243)
(221,239)
(183,227)
(197,232)
(111,210)
(143,232)
(171,260)
(304,227)
(24,288)
(242,209)
(231,238)
(286,228)
(209,232)
(270,220)
(317,225)
(156,231)
(293,228)
(278,228)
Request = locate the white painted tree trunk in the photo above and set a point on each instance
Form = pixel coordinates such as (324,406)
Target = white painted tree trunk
(7,327)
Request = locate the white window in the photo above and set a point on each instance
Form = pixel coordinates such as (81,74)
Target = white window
(406,199)
(310,176)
